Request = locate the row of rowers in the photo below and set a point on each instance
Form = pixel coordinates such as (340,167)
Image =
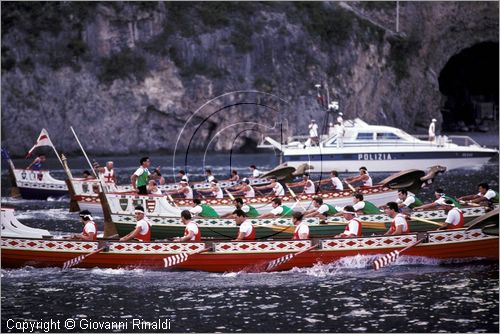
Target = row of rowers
(354,228)
(406,201)
(246,190)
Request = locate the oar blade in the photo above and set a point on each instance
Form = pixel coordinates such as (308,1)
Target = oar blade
(279,261)
(175,259)
(73,262)
(385,260)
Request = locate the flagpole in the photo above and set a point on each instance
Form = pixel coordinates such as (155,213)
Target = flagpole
(85,154)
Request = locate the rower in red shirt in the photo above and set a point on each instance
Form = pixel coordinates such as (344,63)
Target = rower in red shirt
(247,230)
(192,231)
(89,227)
(142,231)
(399,224)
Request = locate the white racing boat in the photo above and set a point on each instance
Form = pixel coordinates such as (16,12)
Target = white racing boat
(382,149)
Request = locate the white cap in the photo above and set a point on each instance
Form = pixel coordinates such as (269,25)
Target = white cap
(434,120)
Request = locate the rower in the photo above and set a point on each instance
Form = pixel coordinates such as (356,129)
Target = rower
(278,210)
(184,189)
(209,176)
(485,194)
(234,176)
(399,224)
(156,175)
(255,172)
(192,232)
(301,228)
(142,231)
(249,210)
(203,210)
(308,185)
(246,230)
(407,201)
(454,216)
(153,188)
(216,190)
(89,227)
(353,227)
(441,197)
(334,180)
(321,210)
(182,175)
(277,188)
(362,177)
(364,207)
(37,163)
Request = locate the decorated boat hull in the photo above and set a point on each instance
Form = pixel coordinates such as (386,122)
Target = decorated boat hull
(38,184)
(228,256)
(169,227)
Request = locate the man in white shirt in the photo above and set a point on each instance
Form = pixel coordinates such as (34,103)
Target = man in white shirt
(192,231)
(89,227)
(485,194)
(255,172)
(209,176)
(301,228)
(142,231)
(454,216)
(277,188)
(353,227)
(313,139)
(246,230)
(306,183)
(399,225)
(432,130)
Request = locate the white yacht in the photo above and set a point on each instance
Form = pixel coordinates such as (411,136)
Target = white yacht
(382,149)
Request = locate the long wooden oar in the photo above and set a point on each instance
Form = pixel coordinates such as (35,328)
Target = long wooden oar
(229,194)
(392,256)
(279,261)
(427,221)
(79,259)
(469,203)
(295,197)
(181,257)
(350,186)
(367,224)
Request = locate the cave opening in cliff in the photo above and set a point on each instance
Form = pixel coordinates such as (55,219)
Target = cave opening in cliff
(469,83)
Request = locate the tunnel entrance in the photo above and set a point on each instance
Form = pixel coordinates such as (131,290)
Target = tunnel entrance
(469,82)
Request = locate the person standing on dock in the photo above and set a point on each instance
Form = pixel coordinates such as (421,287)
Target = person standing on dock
(399,225)
(432,131)
(140,177)
(301,228)
(192,231)
(37,163)
(89,232)
(353,227)
(142,231)
(246,231)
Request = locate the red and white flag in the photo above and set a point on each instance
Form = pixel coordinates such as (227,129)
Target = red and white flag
(43,140)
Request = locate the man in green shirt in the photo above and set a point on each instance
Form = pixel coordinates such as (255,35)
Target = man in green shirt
(140,178)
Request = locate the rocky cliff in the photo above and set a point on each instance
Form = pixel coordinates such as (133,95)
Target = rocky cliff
(142,77)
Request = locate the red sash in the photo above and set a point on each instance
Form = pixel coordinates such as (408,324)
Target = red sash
(197,236)
(460,223)
(84,233)
(251,236)
(296,233)
(146,237)
(392,229)
(359,227)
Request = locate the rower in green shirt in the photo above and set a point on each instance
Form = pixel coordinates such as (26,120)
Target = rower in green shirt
(364,207)
(203,210)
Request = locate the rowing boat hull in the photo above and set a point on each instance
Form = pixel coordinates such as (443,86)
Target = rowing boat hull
(39,184)
(168,227)
(227,256)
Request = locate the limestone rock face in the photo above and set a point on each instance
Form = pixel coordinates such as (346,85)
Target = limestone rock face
(158,76)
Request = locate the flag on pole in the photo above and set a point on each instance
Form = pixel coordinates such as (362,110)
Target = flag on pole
(43,140)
